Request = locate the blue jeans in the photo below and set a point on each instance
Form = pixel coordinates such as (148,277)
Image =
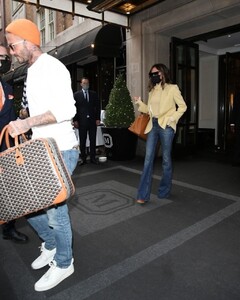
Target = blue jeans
(166,138)
(53,224)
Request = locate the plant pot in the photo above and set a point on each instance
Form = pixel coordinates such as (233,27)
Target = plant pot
(120,143)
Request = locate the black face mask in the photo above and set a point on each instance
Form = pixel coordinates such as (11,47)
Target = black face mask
(155,79)
(5,65)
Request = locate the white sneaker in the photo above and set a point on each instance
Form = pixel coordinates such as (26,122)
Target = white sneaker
(53,277)
(44,258)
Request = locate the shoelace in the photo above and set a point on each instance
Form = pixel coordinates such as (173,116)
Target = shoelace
(52,266)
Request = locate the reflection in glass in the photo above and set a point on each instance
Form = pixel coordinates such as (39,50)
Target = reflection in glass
(192,57)
(180,54)
(180,78)
(193,97)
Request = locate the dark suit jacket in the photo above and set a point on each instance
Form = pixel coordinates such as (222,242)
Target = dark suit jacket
(7,114)
(84,108)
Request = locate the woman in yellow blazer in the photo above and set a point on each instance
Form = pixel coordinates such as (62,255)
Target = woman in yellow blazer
(165,107)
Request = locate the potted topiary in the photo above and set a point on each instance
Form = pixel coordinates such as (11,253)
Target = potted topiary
(120,143)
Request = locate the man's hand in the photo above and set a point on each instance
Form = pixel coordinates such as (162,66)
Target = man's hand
(18,127)
(23,114)
(98,122)
(75,124)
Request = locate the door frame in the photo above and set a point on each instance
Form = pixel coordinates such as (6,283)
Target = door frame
(182,74)
(229,86)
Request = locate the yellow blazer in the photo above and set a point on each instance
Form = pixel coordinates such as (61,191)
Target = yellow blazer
(171,108)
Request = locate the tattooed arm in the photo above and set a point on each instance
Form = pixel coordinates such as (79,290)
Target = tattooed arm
(20,126)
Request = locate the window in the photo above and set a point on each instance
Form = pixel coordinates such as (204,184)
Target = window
(42,25)
(46,25)
(16,8)
(15,5)
(51,25)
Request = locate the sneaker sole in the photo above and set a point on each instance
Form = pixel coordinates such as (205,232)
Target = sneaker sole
(66,275)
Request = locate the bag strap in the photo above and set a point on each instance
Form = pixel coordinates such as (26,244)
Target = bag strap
(18,155)
(5,133)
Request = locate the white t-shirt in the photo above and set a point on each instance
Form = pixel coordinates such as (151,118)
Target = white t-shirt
(49,89)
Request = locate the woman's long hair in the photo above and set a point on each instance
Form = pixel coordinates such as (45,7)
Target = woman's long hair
(165,75)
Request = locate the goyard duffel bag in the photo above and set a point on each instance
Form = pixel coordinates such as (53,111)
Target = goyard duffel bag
(33,176)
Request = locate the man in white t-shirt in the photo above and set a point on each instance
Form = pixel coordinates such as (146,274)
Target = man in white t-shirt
(51,107)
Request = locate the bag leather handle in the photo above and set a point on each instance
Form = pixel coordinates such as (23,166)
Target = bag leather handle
(5,132)
(18,154)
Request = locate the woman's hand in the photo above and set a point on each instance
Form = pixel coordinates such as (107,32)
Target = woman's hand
(169,121)
(137,99)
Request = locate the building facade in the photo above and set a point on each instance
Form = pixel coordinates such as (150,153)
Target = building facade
(175,33)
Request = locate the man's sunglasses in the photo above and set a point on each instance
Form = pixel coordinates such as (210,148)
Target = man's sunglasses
(11,46)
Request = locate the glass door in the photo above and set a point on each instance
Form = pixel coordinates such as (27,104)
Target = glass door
(229,86)
(184,61)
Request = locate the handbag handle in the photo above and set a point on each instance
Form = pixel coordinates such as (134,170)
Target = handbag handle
(5,132)
(18,154)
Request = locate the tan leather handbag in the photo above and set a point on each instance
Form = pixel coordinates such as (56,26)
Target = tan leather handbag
(139,125)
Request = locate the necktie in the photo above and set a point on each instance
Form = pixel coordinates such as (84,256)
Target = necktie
(86,95)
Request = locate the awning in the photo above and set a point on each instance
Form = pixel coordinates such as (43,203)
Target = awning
(79,8)
(102,41)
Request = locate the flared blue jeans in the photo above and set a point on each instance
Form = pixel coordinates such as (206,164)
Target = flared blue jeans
(166,139)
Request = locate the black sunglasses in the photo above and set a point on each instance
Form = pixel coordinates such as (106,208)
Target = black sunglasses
(152,74)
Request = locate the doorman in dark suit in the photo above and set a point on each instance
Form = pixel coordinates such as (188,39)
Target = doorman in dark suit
(7,114)
(87,119)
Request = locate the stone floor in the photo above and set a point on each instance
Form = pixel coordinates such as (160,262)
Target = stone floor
(184,247)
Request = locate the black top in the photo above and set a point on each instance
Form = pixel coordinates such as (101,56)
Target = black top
(7,114)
